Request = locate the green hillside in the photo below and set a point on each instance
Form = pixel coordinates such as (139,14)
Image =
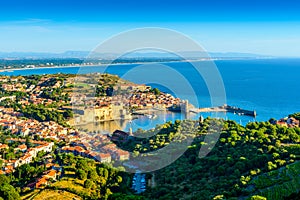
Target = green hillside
(258,159)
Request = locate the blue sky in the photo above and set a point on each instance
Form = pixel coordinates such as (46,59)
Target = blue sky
(265,27)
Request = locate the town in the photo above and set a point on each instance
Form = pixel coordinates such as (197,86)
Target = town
(38,114)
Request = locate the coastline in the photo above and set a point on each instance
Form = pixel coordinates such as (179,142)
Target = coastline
(246,94)
(130,63)
(96,65)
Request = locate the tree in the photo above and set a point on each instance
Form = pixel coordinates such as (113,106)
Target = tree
(28,142)
(92,174)
(218,197)
(271,166)
(7,191)
(88,183)
(82,164)
(121,196)
(81,174)
(257,197)
(156,91)
(105,174)
(68,114)
(4,179)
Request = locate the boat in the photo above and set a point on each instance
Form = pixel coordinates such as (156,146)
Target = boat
(151,116)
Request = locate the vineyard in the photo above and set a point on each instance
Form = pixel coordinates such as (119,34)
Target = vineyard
(280,183)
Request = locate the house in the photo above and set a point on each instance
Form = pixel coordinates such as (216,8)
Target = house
(41,182)
(282,122)
(104,157)
(9,169)
(79,151)
(49,165)
(292,122)
(3,146)
(14,163)
(51,174)
(26,159)
(109,148)
(67,149)
(22,148)
(120,136)
(24,132)
(47,148)
(121,155)
(46,178)
(288,122)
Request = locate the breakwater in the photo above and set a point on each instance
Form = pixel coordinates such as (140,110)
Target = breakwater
(226,108)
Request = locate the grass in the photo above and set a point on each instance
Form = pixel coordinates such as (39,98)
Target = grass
(55,195)
(83,85)
(29,195)
(71,183)
(69,174)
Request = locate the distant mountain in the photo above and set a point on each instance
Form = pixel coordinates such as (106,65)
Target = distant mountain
(42,55)
(236,55)
(85,54)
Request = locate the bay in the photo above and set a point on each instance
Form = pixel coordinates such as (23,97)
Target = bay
(269,86)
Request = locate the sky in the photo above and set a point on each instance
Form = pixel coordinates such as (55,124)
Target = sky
(252,26)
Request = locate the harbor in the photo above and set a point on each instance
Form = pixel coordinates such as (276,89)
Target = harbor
(226,108)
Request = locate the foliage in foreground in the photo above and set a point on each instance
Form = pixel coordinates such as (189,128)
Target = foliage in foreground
(241,155)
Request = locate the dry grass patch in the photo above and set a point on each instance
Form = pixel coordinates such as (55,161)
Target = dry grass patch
(55,195)
(71,183)
(30,194)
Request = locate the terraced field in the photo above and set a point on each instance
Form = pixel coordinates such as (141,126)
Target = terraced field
(280,183)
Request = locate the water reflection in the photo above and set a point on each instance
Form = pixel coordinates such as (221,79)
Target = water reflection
(145,122)
(148,121)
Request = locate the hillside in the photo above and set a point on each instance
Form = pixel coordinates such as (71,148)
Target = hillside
(246,161)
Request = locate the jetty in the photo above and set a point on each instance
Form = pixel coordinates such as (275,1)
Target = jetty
(226,108)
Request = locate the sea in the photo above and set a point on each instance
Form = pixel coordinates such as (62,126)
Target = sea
(268,86)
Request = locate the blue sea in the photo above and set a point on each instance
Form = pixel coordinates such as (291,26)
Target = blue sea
(269,86)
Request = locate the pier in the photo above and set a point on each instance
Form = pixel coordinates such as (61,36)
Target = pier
(226,108)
